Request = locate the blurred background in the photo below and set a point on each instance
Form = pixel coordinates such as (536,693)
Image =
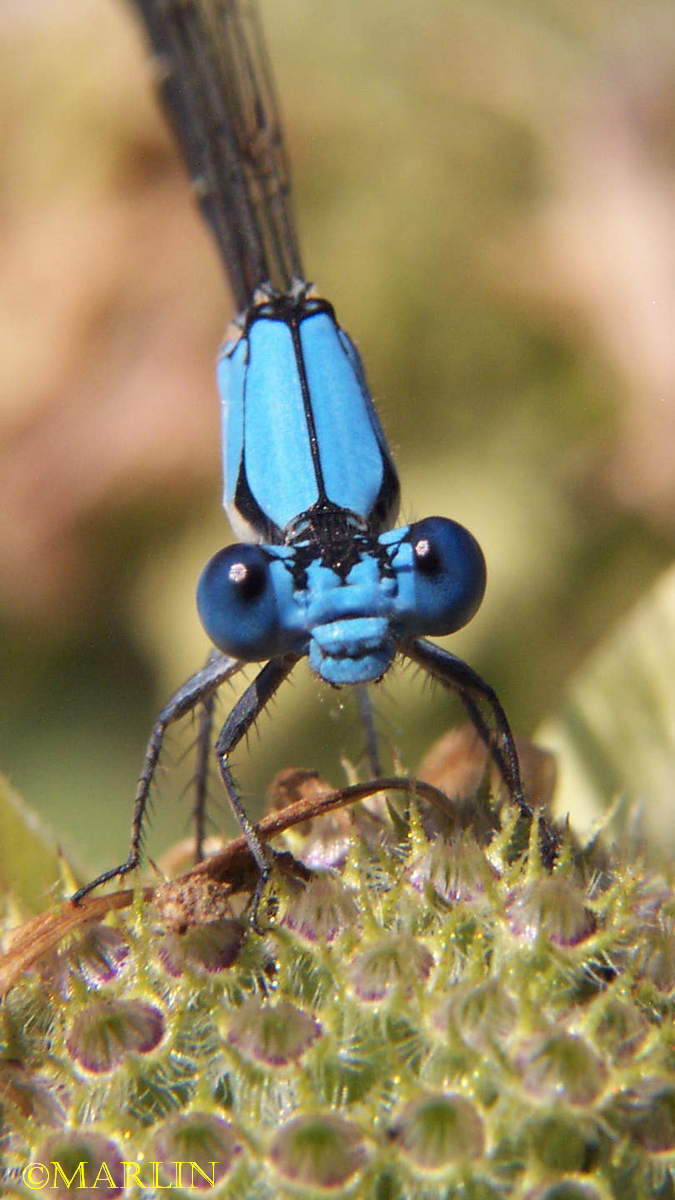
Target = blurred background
(486,191)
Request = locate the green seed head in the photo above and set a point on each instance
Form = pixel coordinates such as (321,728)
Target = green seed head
(436,1017)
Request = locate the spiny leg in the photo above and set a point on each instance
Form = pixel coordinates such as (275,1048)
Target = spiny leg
(472,690)
(198,688)
(367,716)
(200,781)
(505,768)
(248,707)
(453,673)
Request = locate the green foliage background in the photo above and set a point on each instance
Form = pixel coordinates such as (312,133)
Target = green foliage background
(485,190)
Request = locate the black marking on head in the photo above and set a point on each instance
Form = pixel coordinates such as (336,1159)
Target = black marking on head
(335,537)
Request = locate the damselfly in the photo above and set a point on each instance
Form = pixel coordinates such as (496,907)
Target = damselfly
(309,484)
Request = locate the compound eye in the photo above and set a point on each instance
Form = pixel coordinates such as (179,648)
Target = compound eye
(237,603)
(449,575)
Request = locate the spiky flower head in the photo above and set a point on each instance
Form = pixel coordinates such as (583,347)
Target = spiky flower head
(430,1013)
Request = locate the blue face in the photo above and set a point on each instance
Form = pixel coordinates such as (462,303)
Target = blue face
(256,602)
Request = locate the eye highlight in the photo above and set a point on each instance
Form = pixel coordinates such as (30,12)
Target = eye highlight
(427,558)
(248,578)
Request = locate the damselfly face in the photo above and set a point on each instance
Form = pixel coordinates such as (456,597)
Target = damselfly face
(256,602)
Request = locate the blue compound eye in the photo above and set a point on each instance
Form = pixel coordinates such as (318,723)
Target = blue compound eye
(237,603)
(449,575)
